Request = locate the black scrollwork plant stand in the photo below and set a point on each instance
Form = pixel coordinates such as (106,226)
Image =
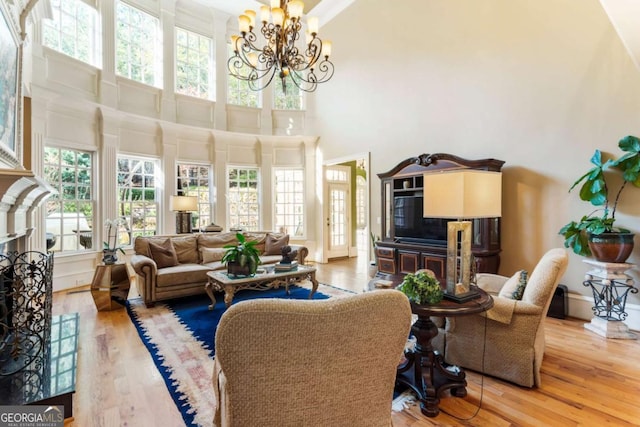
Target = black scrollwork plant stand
(610,286)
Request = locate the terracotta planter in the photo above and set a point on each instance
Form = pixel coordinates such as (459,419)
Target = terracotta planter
(611,247)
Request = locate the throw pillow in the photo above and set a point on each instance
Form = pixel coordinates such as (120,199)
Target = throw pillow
(212,254)
(163,254)
(522,283)
(275,243)
(510,286)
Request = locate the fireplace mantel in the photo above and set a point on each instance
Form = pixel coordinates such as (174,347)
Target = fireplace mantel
(21,191)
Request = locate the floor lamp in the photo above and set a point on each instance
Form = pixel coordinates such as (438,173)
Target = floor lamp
(461,195)
(183,205)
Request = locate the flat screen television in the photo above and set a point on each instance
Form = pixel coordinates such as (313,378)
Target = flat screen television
(410,225)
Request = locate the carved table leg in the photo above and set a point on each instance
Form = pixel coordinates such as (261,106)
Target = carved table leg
(314,282)
(208,288)
(229,291)
(431,375)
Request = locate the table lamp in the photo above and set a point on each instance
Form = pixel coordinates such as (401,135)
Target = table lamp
(183,205)
(461,194)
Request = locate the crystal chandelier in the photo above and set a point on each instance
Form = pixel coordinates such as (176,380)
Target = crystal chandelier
(305,64)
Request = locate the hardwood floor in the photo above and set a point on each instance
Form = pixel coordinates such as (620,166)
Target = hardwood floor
(586,380)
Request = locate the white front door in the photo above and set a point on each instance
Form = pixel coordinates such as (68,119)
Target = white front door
(337,219)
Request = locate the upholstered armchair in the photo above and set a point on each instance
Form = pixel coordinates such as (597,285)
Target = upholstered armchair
(511,334)
(310,363)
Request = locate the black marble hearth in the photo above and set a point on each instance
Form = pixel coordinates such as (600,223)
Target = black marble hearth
(50,378)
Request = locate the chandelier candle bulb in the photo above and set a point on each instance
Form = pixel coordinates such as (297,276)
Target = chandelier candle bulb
(252,17)
(326,48)
(265,14)
(253,59)
(312,25)
(244,22)
(277,15)
(275,3)
(295,8)
(234,43)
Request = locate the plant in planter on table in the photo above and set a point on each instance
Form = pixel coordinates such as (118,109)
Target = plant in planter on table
(595,234)
(421,288)
(243,258)
(111,247)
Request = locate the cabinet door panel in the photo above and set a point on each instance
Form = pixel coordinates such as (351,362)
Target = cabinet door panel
(408,262)
(436,264)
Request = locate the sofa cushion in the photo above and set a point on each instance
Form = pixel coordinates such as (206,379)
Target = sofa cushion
(182,274)
(214,240)
(259,238)
(212,254)
(163,253)
(186,248)
(275,243)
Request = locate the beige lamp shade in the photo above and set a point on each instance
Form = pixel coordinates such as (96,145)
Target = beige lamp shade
(183,203)
(462,194)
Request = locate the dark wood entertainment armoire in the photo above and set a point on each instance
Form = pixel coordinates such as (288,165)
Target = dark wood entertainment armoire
(399,255)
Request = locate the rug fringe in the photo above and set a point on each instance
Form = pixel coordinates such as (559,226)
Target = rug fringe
(402,402)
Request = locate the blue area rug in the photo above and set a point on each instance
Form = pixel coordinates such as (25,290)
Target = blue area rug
(179,335)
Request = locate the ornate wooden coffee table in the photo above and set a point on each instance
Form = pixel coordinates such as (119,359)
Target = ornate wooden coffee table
(220,281)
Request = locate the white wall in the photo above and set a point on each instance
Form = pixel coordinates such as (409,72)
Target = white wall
(539,84)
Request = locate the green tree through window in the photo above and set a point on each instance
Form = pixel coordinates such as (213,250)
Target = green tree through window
(137,195)
(70,209)
(72,30)
(194,180)
(195,70)
(136,38)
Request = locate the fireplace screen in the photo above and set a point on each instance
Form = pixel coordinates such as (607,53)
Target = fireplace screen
(25,308)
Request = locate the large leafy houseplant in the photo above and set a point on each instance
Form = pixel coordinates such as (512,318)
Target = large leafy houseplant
(421,288)
(595,190)
(243,258)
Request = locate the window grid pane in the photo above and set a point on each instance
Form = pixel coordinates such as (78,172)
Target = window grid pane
(194,180)
(70,210)
(243,207)
(291,100)
(136,37)
(195,70)
(238,91)
(289,201)
(72,30)
(137,197)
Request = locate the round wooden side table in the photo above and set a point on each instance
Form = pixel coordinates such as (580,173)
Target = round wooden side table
(425,370)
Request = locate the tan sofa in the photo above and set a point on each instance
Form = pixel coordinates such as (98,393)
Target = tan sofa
(196,255)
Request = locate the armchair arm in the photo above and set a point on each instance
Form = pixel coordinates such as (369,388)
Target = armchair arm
(302,253)
(490,283)
(146,269)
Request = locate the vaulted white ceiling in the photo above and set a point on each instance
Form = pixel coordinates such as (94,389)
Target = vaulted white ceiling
(625,16)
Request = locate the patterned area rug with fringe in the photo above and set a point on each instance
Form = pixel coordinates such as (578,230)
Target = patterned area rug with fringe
(179,335)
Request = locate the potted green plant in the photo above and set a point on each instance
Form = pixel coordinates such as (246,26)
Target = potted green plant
(421,288)
(243,258)
(595,234)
